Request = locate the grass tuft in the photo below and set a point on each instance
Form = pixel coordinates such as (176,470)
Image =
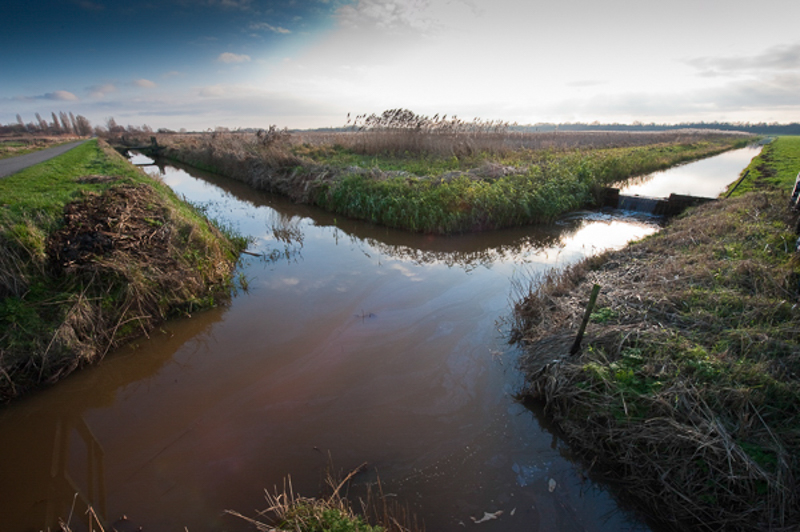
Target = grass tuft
(288,511)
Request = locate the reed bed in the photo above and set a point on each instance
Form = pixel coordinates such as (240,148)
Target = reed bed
(440,176)
(687,390)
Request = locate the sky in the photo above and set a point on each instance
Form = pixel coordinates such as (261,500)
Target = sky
(200,64)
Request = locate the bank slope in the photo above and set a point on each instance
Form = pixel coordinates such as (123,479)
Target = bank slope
(94,252)
(687,389)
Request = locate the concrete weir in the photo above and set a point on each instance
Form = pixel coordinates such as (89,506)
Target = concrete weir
(671,206)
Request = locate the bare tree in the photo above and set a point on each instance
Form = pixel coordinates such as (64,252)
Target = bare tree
(55,126)
(113,127)
(42,124)
(83,126)
(66,127)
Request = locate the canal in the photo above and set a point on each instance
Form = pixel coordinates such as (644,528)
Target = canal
(345,343)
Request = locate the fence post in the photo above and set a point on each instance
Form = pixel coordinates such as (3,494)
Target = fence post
(592,300)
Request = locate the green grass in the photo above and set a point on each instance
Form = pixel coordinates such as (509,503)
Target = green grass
(541,186)
(44,189)
(776,167)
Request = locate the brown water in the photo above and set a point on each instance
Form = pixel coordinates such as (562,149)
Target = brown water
(352,340)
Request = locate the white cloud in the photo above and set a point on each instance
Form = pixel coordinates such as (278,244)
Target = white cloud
(776,58)
(98,92)
(62,96)
(144,84)
(212,91)
(228,57)
(264,26)
(419,15)
(232,4)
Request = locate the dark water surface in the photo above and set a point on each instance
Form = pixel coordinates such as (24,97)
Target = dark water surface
(352,341)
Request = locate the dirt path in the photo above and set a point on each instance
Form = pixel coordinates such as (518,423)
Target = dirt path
(12,165)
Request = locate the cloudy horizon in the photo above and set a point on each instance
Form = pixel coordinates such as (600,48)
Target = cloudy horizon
(200,64)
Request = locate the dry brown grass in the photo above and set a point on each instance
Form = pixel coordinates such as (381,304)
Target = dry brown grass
(688,388)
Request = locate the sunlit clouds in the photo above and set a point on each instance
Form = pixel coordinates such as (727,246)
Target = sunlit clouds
(228,57)
(144,84)
(99,92)
(60,96)
(251,63)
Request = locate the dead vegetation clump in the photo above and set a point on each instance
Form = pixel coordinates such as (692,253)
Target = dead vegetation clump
(122,261)
(688,385)
(263,160)
(333,511)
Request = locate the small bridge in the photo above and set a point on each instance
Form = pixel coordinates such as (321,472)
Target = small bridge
(671,206)
(151,149)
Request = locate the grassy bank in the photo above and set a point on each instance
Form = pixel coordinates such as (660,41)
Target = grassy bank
(441,182)
(94,252)
(687,389)
(776,167)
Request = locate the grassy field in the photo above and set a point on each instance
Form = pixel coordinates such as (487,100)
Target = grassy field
(777,167)
(93,252)
(687,389)
(442,182)
(11,147)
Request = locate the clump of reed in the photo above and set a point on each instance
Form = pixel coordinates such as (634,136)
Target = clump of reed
(687,390)
(288,511)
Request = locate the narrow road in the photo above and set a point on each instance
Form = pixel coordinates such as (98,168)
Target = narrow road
(12,165)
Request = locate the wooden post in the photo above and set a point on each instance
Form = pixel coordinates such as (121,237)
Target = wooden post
(592,300)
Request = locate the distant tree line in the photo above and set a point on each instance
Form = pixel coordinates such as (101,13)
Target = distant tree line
(69,124)
(61,124)
(760,128)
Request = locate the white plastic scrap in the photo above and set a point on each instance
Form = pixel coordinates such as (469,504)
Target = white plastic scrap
(487,517)
(551,485)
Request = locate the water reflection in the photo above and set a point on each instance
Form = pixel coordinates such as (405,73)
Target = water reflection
(575,233)
(54,462)
(706,178)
